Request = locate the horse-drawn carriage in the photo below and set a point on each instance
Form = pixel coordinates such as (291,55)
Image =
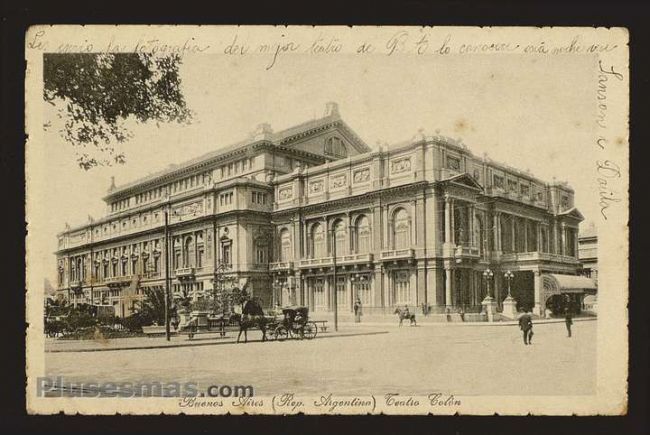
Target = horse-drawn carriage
(294,323)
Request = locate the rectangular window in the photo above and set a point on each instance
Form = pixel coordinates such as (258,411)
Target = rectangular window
(362,291)
(254,197)
(320,298)
(570,242)
(402,288)
(512,185)
(342,300)
(226,253)
(261,254)
(525,190)
(199,257)
(498,182)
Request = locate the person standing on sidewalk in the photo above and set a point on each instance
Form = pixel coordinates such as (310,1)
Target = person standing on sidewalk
(357,311)
(448,312)
(526,326)
(568,319)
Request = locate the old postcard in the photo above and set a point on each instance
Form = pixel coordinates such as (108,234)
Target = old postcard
(327,220)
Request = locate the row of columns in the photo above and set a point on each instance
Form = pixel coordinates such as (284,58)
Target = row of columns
(382,287)
(450,224)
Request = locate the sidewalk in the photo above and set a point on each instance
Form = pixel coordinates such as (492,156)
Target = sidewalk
(209,339)
(395,323)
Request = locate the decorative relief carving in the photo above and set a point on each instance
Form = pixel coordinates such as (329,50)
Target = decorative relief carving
(192,209)
(401,165)
(286,193)
(316,186)
(338,181)
(361,175)
(453,163)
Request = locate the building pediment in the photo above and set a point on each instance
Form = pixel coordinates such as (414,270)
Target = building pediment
(464,180)
(573,213)
(314,139)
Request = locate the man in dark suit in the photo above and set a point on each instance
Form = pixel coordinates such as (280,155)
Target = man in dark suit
(568,319)
(526,325)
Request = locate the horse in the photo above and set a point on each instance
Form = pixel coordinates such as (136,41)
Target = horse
(404,315)
(252,316)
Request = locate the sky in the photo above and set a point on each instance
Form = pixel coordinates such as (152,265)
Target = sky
(529,112)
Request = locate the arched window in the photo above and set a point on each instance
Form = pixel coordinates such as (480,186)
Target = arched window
(188,252)
(335,147)
(340,238)
(363,235)
(317,241)
(401,229)
(285,245)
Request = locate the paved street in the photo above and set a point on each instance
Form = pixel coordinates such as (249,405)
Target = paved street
(467,360)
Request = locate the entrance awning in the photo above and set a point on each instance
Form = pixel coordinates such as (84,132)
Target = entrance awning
(557,284)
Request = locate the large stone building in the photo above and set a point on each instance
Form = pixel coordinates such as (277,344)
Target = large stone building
(304,212)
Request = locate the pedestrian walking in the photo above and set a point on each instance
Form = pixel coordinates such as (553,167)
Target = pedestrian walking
(526,326)
(448,312)
(357,311)
(461,313)
(568,319)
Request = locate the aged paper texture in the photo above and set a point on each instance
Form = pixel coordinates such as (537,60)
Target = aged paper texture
(327,220)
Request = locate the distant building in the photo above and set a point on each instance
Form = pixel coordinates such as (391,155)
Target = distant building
(409,224)
(588,252)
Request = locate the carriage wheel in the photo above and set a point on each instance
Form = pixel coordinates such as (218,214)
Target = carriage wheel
(310,330)
(281,333)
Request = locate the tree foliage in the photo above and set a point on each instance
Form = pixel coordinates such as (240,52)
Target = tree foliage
(152,308)
(95,93)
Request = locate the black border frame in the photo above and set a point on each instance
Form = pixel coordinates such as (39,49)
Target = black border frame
(17,17)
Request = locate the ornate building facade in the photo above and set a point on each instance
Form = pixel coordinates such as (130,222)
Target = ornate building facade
(312,210)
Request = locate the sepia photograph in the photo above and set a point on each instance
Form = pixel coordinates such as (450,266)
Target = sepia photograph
(327,220)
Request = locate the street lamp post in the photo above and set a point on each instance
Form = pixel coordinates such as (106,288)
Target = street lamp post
(488,303)
(509,275)
(509,303)
(488,274)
